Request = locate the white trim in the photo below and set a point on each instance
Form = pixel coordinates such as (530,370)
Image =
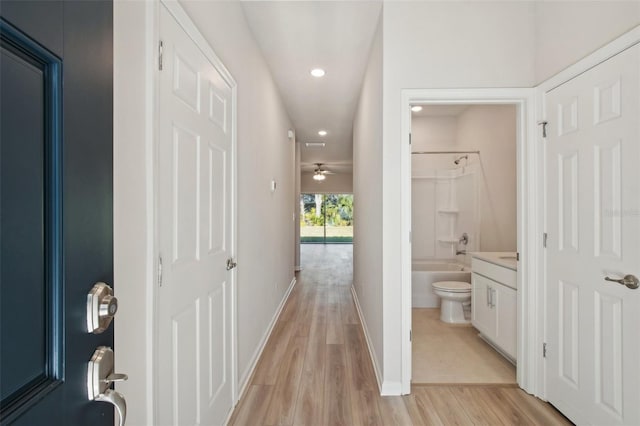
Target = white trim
(173,6)
(617,46)
(153,166)
(246,376)
(151,126)
(176,10)
(372,354)
(529,359)
(391,388)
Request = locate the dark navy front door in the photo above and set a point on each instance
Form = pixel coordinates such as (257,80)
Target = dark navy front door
(55,205)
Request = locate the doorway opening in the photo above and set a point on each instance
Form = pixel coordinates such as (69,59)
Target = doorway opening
(464,243)
(326,218)
(529,336)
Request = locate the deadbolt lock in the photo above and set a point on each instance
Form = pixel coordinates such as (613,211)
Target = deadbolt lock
(101,307)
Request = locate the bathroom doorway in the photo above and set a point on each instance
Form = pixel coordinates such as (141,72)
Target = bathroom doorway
(464,210)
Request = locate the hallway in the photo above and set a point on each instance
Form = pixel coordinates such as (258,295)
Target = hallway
(316,370)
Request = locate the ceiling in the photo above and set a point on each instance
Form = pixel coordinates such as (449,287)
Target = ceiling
(298,36)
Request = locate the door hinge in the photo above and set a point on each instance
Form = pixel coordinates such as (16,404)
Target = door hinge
(543,123)
(544,240)
(409,138)
(517,257)
(160,271)
(544,350)
(160,53)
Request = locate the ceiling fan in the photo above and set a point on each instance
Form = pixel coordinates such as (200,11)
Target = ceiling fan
(319,173)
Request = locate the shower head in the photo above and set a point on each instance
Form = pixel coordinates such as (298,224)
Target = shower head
(457,160)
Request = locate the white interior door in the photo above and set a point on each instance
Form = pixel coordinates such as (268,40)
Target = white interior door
(593,222)
(194,216)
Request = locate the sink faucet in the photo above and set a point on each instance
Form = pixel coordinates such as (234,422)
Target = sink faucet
(461,252)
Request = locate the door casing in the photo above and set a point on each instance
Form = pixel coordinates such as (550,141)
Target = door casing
(529,334)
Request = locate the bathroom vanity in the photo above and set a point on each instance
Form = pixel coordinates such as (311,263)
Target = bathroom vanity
(494,300)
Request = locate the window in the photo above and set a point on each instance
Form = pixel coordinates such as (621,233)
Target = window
(326,218)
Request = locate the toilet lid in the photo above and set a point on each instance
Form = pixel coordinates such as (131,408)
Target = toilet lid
(452,286)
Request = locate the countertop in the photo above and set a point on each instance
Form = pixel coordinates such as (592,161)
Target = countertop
(505,259)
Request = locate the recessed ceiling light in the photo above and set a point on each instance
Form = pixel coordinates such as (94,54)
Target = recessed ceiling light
(322,133)
(317,72)
(416,108)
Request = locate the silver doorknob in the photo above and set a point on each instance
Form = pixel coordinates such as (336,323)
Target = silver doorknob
(629,280)
(100,375)
(118,401)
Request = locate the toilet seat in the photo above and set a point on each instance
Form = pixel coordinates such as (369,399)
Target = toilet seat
(452,286)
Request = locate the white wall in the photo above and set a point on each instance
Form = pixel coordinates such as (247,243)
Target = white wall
(133,205)
(265,254)
(339,183)
(433,133)
(567,31)
(438,45)
(367,200)
(491,129)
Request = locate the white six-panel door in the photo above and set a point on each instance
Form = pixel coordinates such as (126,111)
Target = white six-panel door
(194,303)
(593,224)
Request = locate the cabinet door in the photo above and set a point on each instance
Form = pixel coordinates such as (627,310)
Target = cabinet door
(483,316)
(505,306)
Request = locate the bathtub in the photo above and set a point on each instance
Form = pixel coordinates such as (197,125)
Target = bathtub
(426,272)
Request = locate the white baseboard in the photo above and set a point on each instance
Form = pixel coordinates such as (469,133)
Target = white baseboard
(244,381)
(391,388)
(372,354)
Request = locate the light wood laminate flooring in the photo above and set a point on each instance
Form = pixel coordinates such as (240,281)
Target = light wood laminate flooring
(452,353)
(316,370)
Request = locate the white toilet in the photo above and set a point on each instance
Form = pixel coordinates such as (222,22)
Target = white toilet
(453,295)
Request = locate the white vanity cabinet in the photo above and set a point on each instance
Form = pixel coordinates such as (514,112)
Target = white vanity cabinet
(494,301)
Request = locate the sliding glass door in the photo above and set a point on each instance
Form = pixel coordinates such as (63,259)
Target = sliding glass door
(326,218)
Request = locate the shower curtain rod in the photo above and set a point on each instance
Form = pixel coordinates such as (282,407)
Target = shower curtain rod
(446,152)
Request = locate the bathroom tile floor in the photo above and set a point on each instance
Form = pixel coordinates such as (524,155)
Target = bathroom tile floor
(446,353)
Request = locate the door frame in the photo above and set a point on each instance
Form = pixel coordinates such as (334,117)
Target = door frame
(176,10)
(620,44)
(530,335)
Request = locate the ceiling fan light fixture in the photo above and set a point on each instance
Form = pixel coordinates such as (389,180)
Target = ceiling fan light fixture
(322,132)
(319,176)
